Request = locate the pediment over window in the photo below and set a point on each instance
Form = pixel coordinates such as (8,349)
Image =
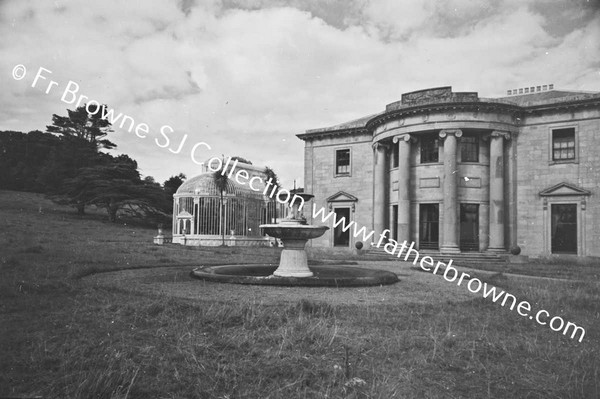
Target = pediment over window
(563,189)
(342,196)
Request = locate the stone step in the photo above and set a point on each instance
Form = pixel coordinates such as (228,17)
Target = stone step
(463,258)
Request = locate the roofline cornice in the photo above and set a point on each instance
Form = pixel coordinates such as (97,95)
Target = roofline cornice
(332,133)
(486,105)
(588,102)
(418,109)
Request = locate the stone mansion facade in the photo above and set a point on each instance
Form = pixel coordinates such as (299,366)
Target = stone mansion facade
(454,172)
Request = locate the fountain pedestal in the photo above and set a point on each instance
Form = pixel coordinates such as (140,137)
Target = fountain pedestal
(293,262)
(295,233)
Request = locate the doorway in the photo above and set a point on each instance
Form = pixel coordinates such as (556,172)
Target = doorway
(341,238)
(429,226)
(564,228)
(469,227)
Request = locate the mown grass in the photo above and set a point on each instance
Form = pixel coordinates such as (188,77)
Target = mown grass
(61,337)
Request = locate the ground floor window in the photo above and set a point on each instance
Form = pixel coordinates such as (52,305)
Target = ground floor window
(564,228)
(429,226)
(469,227)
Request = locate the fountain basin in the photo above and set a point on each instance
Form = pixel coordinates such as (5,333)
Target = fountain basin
(323,276)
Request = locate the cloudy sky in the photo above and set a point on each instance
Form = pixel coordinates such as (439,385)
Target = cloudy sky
(245,77)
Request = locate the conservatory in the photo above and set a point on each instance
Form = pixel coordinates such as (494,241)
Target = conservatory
(197,212)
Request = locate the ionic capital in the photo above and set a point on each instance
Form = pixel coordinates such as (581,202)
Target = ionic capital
(447,132)
(403,137)
(379,145)
(500,133)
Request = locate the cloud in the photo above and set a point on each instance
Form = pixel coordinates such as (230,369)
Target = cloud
(247,77)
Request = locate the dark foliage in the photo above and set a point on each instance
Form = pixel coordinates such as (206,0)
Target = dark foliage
(81,125)
(172,184)
(66,164)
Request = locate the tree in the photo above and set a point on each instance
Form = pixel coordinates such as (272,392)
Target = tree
(83,125)
(221,181)
(171,185)
(29,161)
(271,175)
(82,135)
(115,185)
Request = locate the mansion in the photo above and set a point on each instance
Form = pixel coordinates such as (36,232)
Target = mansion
(455,172)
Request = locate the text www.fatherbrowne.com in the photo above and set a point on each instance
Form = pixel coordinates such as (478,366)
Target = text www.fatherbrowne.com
(451,274)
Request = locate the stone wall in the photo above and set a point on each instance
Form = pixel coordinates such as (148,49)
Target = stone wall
(536,172)
(320,180)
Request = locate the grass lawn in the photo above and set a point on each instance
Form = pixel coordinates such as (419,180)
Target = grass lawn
(64,336)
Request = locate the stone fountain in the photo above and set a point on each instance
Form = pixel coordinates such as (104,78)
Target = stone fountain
(294,232)
(293,268)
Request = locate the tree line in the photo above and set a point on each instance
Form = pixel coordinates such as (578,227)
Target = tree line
(68,164)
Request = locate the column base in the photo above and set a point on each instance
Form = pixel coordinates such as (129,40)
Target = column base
(449,249)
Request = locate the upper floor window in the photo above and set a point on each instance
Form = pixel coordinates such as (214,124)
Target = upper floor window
(563,144)
(469,149)
(342,162)
(395,156)
(429,150)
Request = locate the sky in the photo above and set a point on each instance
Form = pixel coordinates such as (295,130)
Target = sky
(242,78)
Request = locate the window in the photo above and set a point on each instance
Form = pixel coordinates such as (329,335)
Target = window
(429,226)
(342,162)
(563,144)
(395,156)
(429,150)
(469,149)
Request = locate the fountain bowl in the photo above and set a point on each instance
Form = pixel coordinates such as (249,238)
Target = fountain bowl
(293,231)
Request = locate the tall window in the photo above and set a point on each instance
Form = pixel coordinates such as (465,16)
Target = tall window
(342,162)
(429,150)
(429,229)
(563,144)
(469,149)
(395,156)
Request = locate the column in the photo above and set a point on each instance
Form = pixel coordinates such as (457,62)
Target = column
(379,189)
(497,191)
(451,222)
(403,187)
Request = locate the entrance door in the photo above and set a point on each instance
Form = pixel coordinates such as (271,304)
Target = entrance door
(469,227)
(564,228)
(429,226)
(341,238)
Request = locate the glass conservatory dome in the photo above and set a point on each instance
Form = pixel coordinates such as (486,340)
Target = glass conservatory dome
(205,185)
(202,217)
